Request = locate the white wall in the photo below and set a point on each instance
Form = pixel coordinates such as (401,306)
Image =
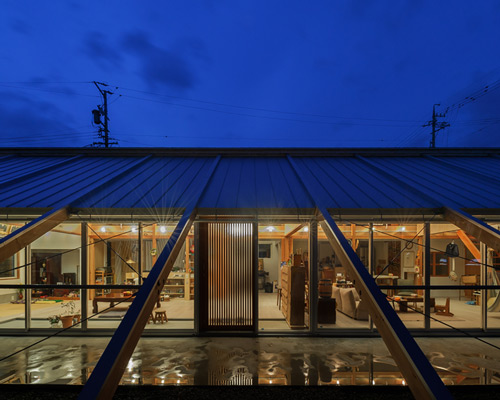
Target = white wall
(272,264)
(70,261)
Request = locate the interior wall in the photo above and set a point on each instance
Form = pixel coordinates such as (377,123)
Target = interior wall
(272,264)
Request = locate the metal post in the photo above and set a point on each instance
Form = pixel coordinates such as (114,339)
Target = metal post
(139,261)
(426,266)
(255,263)
(84,259)
(313,274)
(196,278)
(371,262)
(484,281)
(27,292)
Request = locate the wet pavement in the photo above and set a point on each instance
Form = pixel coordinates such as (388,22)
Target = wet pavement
(264,362)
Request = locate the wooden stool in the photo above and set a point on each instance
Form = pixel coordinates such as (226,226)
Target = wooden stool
(161,315)
(151,319)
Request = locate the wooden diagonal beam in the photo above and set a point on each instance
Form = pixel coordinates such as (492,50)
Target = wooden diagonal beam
(468,243)
(109,370)
(25,235)
(294,231)
(421,377)
(480,230)
(113,362)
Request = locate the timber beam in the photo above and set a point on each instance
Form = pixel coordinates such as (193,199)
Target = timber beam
(113,362)
(469,244)
(109,370)
(423,380)
(480,230)
(27,234)
(421,377)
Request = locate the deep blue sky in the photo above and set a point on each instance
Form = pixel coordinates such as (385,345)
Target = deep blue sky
(346,73)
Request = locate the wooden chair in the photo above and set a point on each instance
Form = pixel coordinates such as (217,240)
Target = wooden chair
(444,310)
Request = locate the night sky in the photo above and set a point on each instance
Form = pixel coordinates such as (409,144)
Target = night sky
(346,73)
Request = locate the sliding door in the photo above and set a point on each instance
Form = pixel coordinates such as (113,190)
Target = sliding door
(227,274)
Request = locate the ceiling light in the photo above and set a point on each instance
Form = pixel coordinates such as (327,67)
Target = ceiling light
(163,229)
(271,228)
(103,229)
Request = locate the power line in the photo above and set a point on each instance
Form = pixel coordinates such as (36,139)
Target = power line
(261,116)
(266,109)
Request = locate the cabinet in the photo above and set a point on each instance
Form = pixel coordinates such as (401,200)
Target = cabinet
(189,264)
(292,295)
(103,278)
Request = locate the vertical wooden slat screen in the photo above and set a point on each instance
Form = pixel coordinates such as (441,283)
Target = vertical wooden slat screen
(229,276)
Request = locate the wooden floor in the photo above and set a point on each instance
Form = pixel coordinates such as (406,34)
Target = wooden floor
(181,316)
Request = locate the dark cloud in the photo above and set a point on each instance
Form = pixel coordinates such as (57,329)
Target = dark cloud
(25,121)
(160,66)
(97,48)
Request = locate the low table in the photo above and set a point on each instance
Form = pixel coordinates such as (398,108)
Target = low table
(113,299)
(403,302)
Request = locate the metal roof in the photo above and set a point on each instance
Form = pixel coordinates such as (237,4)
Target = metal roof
(249,178)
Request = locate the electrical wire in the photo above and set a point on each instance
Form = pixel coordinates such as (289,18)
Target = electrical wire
(404,248)
(260,116)
(118,302)
(393,299)
(73,249)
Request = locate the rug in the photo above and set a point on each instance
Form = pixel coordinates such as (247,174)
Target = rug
(413,316)
(112,314)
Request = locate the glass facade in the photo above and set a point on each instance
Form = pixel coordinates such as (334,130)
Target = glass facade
(91,270)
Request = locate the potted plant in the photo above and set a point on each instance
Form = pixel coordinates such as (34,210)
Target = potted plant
(70,314)
(54,320)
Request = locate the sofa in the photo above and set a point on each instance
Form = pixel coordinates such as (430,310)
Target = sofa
(349,303)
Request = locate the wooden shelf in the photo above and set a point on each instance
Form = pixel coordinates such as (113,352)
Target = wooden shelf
(292,295)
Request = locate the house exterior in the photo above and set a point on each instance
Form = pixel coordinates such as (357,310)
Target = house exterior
(251,241)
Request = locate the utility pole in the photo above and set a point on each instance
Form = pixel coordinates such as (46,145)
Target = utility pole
(436,127)
(103,133)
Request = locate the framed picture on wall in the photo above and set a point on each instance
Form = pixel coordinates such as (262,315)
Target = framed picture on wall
(7,268)
(264,250)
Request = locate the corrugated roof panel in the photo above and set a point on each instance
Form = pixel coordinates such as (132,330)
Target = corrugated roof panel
(161,182)
(344,182)
(16,167)
(192,180)
(258,182)
(128,188)
(66,183)
(449,186)
(269,181)
(483,167)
